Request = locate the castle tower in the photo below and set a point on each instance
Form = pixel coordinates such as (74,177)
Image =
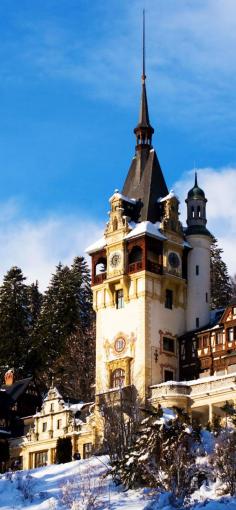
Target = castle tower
(139,275)
(198,266)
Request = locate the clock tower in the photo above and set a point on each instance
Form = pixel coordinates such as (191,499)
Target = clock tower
(139,271)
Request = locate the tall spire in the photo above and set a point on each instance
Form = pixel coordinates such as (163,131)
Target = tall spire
(143,130)
(144,75)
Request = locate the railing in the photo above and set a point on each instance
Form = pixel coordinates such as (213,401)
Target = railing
(154,267)
(99,278)
(136,266)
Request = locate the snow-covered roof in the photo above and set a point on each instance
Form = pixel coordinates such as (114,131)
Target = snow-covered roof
(98,245)
(51,392)
(194,382)
(167,197)
(122,197)
(145,227)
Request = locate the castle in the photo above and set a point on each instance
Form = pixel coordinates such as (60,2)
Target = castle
(155,332)
(151,293)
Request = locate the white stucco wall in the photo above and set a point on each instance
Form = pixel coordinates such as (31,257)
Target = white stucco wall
(198,285)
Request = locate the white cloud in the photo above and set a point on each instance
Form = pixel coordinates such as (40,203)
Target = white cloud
(219,187)
(190,55)
(38,246)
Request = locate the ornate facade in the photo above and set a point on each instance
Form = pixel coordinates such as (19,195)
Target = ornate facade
(150,274)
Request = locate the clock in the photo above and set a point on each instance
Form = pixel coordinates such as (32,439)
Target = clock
(115,259)
(174,260)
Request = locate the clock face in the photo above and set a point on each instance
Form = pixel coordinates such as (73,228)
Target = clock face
(173,259)
(115,259)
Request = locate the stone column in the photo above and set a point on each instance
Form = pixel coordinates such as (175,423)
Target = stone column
(210,407)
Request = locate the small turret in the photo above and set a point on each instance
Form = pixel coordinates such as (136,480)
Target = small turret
(196,211)
(198,267)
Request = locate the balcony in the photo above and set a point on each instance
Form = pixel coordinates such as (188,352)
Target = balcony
(99,278)
(154,267)
(136,266)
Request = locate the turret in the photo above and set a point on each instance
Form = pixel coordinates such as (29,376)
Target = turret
(198,268)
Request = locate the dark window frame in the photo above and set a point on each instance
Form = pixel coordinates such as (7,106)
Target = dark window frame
(169,299)
(120,299)
(168,344)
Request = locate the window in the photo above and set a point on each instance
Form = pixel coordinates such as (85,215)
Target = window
(198,211)
(197,270)
(219,338)
(182,351)
(59,424)
(119,344)
(119,299)
(194,348)
(168,375)
(87,450)
(200,342)
(169,299)
(168,344)
(205,341)
(234,310)
(197,322)
(51,408)
(44,426)
(206,297)
(41,458)
(118,378)
(230,334)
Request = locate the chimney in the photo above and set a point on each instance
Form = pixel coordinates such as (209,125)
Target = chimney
(9,377)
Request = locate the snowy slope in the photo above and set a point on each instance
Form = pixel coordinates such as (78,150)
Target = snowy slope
(71,486)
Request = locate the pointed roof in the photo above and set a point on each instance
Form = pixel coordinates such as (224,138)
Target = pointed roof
(145,181)
(196,193)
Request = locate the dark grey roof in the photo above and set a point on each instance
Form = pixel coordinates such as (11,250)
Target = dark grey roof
(145,182)
(196,193)
(143,120)
(197,230)
(16,389)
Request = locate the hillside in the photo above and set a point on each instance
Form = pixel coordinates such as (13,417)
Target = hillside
(75,485)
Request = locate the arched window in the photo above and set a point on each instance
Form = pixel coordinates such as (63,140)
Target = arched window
(115,224)
(101,266)
(192,211)
(198,211)
(135,254)
(117,378)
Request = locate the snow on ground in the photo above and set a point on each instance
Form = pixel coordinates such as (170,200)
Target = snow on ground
(51,486)
(71,486)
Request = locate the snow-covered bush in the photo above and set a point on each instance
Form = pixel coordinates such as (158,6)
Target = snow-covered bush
(25,483)
(82,491)
(223,461)
(162,456)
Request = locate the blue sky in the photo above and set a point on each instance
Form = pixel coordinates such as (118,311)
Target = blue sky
(69,98)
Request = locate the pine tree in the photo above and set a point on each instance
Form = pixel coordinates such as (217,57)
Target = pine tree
(66,330)
(63,450)
(233,285)
(14,322)
(223,461)
(221,288)
(162,455)
(59,315)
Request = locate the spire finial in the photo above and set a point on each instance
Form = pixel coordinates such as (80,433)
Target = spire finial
(195,183)
(144,130)
(143,75)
